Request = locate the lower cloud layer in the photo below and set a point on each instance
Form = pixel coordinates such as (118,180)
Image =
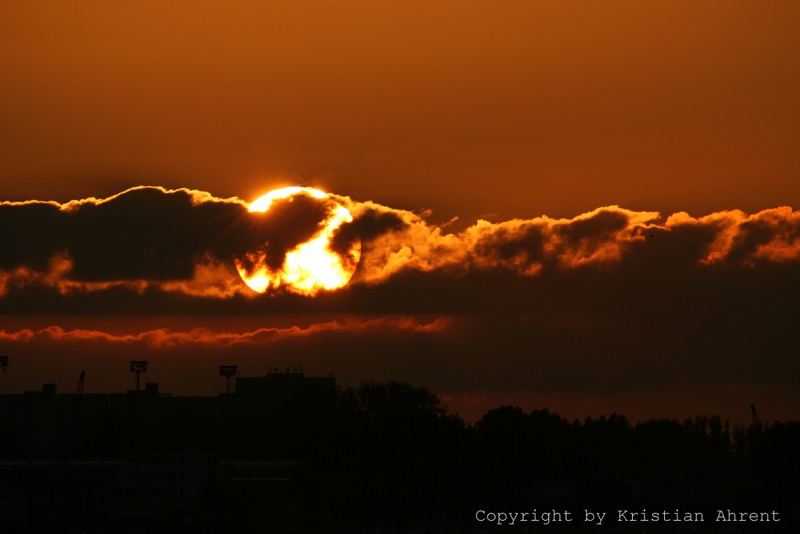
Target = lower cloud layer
(575,367)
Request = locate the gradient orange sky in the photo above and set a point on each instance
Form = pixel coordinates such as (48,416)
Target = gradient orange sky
(560,106)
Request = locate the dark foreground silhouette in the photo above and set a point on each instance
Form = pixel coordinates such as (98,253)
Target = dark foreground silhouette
(296,455)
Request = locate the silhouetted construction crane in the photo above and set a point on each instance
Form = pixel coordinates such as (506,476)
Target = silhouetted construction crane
(81,381)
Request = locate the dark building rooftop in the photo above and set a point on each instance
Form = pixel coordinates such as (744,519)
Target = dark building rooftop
(43,418)
(282,389)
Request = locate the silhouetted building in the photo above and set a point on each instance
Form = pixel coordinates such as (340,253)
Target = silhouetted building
(290,390)
(42,422)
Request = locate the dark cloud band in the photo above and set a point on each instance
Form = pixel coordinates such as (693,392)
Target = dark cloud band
(184,242)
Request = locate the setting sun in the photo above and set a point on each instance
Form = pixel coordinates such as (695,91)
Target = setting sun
(312,265)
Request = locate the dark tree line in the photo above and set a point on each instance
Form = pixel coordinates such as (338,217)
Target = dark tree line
(390,454)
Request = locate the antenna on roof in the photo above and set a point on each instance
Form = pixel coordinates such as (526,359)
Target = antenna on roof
(3,363)
(228,371)
(138,367)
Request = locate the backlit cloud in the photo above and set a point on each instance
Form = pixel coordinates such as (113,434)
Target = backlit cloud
(187,242)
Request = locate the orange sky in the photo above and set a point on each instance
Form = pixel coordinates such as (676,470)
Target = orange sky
(510,108)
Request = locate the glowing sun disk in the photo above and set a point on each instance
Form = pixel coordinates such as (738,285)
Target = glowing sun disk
(309,267)
(263,203)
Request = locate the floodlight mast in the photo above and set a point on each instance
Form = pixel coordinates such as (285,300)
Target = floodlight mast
(228,371)
(138,367)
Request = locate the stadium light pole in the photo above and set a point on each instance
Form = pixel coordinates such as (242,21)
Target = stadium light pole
(138,367)
(228,371)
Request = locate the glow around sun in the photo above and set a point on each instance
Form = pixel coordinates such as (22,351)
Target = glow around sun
(309,267)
